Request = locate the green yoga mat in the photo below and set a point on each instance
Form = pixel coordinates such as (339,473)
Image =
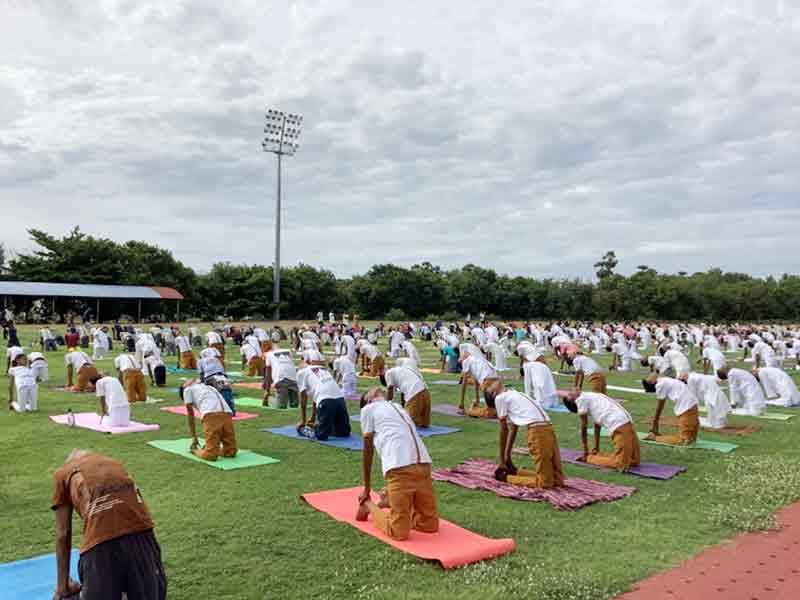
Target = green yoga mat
(240,375)
(723,447)
(244,458)
(256,403)
(767,416)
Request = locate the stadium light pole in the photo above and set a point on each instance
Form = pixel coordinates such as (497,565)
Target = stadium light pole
(281,136)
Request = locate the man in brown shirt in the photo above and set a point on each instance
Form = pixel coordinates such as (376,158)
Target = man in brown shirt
(119,552)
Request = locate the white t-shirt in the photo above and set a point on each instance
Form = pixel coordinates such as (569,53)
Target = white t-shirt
(678,361)
(212,337)
(205,399)
(479,368)
(344,366)
(370,351)
(318,383)
(679,393)
(603,410)
(280,362)
(112,390)
(126,362)
(521,409)
(154,361)
(312,355)
(539,383)
(249,352)
(394,435)
(23,376)
(208,366)
(77,359)
(409,382)
(716,357)
(183,343)
(585,365)
(14,352)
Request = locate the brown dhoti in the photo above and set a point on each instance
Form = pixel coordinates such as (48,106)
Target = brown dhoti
(626,450)
(412,503)
(546,456)
(419,408)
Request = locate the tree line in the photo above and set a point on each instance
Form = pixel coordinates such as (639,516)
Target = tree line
(393,292)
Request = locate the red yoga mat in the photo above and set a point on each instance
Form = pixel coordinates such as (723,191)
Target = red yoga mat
(452,546)
(181,410)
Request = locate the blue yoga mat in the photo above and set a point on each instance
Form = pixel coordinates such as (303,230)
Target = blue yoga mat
(33,578)
(558,408)
(354,442)
(422,431)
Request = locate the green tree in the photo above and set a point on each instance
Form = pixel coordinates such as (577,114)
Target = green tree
(606,265)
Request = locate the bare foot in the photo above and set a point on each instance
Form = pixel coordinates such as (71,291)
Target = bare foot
(460,410)
(384,499)
(362,513)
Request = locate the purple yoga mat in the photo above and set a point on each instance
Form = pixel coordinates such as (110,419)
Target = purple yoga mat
(648,470)
(452,411)
(478,474)
(90,420)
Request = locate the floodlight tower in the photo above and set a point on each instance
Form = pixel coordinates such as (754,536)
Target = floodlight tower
(281,136)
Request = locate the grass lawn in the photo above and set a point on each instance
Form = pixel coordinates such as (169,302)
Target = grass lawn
(246,535)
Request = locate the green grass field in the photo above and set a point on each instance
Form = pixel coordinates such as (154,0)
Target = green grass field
(245,534)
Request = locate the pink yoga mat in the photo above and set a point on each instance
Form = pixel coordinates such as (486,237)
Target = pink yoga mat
(478,474)
(90,420)
(452,546)
(181,410)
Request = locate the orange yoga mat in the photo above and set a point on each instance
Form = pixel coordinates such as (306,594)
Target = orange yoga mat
(452,546)
(250,385)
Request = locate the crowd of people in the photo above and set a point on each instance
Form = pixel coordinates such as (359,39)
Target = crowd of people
(316,368)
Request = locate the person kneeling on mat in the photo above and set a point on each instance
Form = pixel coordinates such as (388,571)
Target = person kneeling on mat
(217,420)
(115,409)
(684,405)
(329,412)
(119,551)
(525,411)
(606,413)
(406,466)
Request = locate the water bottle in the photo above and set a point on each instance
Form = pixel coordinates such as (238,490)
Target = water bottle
(70,418)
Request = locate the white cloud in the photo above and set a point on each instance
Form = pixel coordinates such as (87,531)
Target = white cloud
(526,136)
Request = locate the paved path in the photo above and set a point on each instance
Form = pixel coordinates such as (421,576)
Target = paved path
(753,566)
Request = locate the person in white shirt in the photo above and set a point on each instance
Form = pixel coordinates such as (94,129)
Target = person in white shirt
(264,340)
(22,389)
(476,369)
(115,411)
(587,369)
(414,392)
(621,360)
(349,347)
(396,339)
(677,361)
(410,351)
(372,361)
(194,336)
(329,416)
(280,373)
(217,418)
(522,410)
(344,372)
(406,467)
(744,391)
(38,364)
(186,357)
(12,354)
(48,340)
(78,363)
(214,340)
(130,372)
(539,383)
(779,387)
(497,355)
(606,413)
(156,369)
(713,360)
(763,355)
(685,407)
(312,356)
(251,358)
(210,363)
(100,345)
(707,391)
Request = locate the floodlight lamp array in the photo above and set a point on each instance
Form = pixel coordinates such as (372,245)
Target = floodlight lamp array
(282,132)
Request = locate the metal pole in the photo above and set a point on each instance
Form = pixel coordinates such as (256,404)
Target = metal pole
(139,314)
(276,275)
(98,310)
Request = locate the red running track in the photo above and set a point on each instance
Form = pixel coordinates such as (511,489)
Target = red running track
(752,566)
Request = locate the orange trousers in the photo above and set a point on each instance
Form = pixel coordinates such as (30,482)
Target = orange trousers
(85,373)
(255,366)
(626,450)
(597,383)
(188,360)
(544,450)
(376,366)
(266,346)
(688,428)
(481,412)
(419,409)
(135,386)
(219,431)
(412,503)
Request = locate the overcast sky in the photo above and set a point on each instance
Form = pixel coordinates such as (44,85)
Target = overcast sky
(528,136)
